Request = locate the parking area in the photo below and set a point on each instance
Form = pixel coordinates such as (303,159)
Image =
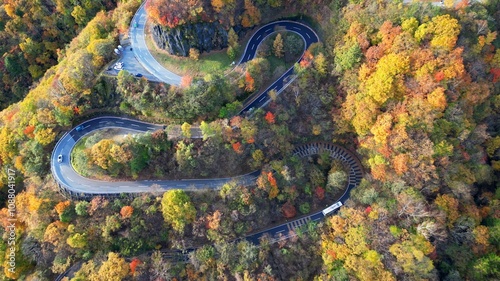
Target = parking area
(128,62)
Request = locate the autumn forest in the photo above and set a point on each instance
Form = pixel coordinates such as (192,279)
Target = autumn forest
(412,89)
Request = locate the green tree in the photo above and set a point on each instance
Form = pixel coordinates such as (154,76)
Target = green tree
(293,46)
(80,15)
(81,208)
(177,209)
(184,157)
(305,208)
(487,267)
(207,130)
(77,240)
(231,52)
(347,57)
(232,39)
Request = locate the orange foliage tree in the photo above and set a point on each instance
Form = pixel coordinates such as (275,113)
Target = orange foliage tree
(273,192)
(186,81)
(61,206)
(307,59)
(270,117)
(249,82)
(28,131)
(237,147)
(126,212)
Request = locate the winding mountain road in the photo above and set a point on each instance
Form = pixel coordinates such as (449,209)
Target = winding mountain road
(76,186)
(141,51)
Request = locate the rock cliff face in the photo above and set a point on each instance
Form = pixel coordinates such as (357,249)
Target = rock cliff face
(205,37)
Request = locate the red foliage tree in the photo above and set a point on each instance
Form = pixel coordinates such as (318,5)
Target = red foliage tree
(320,192)
(439,76)
(288,210)
(496,74)
(273,191)
(186,80)
(271,179)
(133,265)
(28,131)
(237,147)
(270,117)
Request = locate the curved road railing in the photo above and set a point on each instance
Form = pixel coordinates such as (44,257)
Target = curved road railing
(141,52)
(76,186)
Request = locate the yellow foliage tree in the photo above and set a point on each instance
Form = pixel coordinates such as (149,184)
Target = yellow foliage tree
(382,128)
(45,136)
(177,208)
(354,252)
(101,153)
(445,31)
(385,83)
(411,256)
(437,99)
(186,130)
(449,205)
(114,269)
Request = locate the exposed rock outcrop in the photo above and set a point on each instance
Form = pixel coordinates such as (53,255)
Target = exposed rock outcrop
(205,37)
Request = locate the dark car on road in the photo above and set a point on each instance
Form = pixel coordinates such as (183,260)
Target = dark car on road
(138,75)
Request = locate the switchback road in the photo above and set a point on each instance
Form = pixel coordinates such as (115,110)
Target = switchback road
(141,51)
(77,187)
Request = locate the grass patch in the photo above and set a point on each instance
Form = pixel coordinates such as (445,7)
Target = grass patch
(213,62)
(78,149)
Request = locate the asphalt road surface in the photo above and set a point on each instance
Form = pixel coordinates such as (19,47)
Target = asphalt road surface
(80,187)
(141,51)
(304,31)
